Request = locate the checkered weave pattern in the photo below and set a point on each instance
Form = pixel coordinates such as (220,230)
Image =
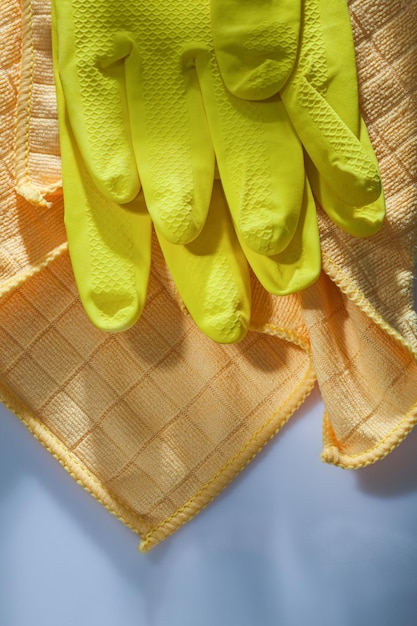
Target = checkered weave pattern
(153,422)
(31,234)
(156,421)
(383,267)
(37,170)
(363,332)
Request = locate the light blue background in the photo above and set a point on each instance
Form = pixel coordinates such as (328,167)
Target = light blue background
(292,542)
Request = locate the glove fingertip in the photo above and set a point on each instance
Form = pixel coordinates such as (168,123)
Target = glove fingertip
(226,326)
(112,312)
(119,188)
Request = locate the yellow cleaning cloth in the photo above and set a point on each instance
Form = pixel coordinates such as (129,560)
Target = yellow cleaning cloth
(364,333)
(154,422)
(32,235)
(38,163)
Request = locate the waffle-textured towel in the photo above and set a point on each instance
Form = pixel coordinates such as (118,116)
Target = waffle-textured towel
(156,421)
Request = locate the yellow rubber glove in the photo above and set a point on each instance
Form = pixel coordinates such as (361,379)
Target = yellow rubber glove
(146,103)
(320,95)
(102,117)
(110,249)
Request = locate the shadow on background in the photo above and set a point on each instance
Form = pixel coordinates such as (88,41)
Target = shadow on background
(395,475)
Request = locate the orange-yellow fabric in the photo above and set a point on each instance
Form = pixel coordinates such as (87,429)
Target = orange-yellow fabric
(156,421)
(37,163)
(30,235)
(153,422)
(363,332)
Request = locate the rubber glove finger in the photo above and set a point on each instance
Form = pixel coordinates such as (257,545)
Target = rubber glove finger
(256,44)
(362,221)
(337,153)
(342,95)
(211,275)
(109,245)
(299,265)
(172,142)
(260,160)
(90,58)
(327,57)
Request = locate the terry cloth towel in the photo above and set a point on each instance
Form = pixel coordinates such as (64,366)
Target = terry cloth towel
(156,421)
